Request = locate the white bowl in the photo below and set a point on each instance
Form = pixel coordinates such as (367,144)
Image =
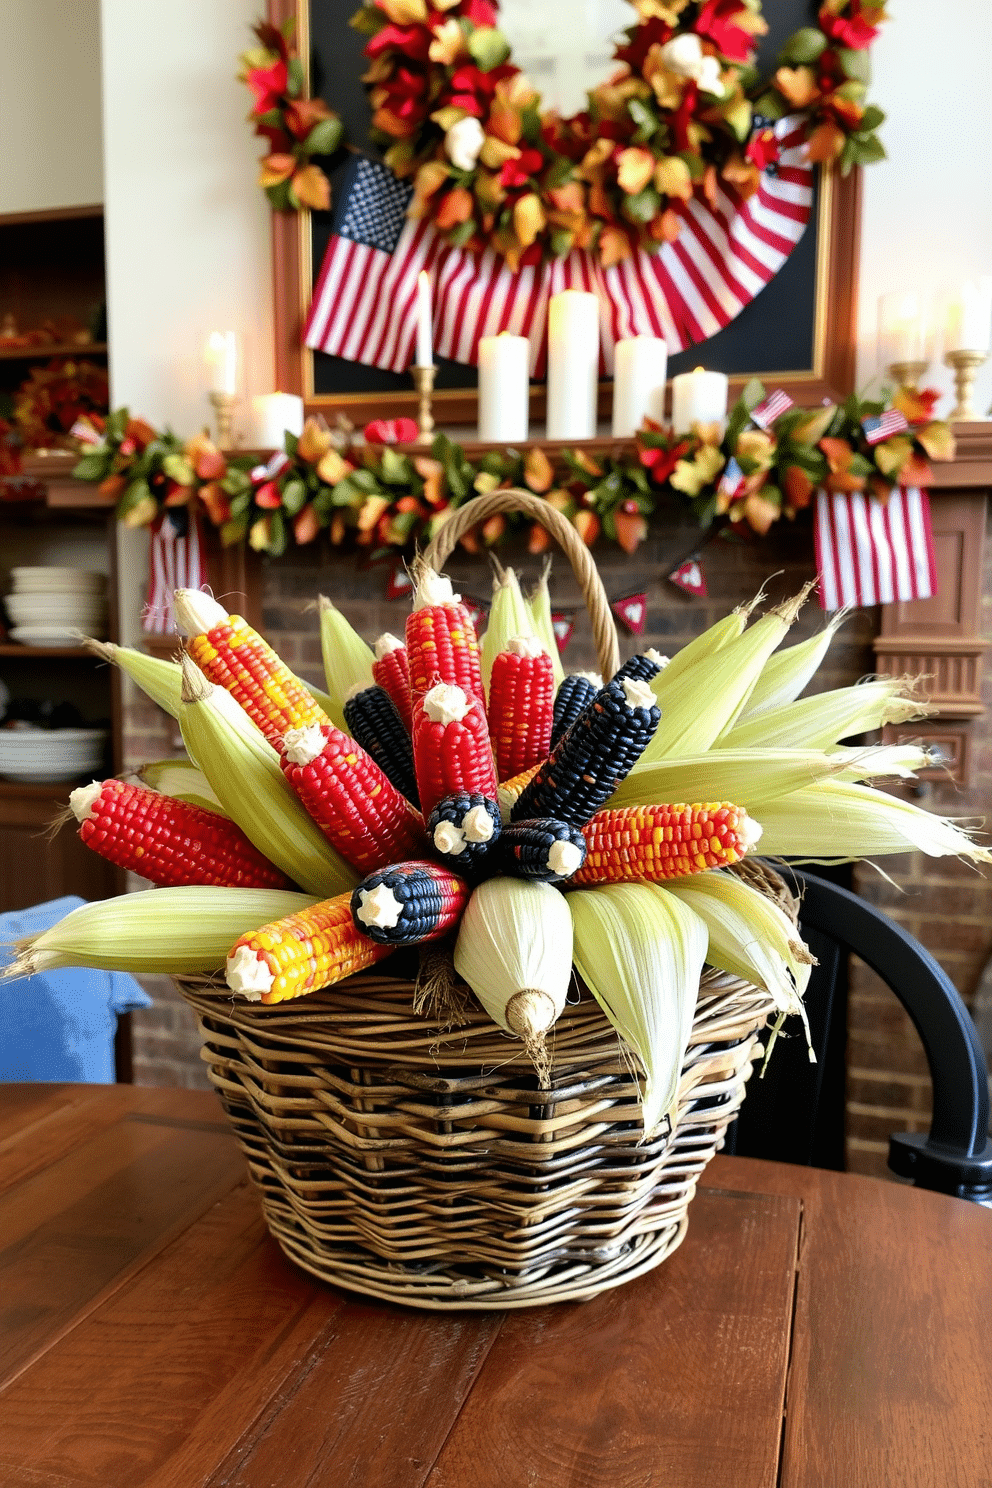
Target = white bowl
(65,617)
(55,604)
(48,578)
(37,757)
(54,635)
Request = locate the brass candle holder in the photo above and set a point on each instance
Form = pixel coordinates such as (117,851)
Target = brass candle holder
(224,408)
(423,381)
(908,374)
(965,365)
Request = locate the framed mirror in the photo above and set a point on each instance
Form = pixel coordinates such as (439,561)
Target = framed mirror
(797,333)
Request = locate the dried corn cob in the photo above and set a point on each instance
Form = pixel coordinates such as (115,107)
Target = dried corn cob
(464,828)
(451,749)
(409,903)
(354,805)
(234,656)
(509,615)
(544,849)
(658,842)
(373,719)
(313,948)
(643,666)
(168,841)
(441,642)
(588,763)
(521,706)
(391,670)
(573,696)
(509,791)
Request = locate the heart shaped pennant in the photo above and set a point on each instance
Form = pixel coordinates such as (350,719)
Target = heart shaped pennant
(477,608)
(399,584)
(631,611)
(691,577)
(563,626)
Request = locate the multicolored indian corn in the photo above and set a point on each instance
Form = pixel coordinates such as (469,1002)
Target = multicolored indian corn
(168,841)
(521,706)
(658,842)
(359,811)
(545,850)
(574,695)
(313,948)
(643,666)
(441,643)
(589,762)
(373,719)
(451,749)
(409,903)
(510,791)
(391,670)
(464,829)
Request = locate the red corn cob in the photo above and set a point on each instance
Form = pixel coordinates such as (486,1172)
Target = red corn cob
(169,841)
(658,842)
(521,706)
(358,810)
(391,670)
(313,948)
(441,642)
(451,749)
(234,656)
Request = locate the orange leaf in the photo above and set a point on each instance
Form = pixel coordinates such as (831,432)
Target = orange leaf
(539,540)
(538,472)
(528,218)
(314,442)
(216,502)
(456,207)
(798,487)
(761,513)
(493,530)
(825,143)
(587,525)
(306,524)
(614,247)
(798,85)
(631,530)
(275,168)
(915,472)
(312,188)
(112,486)
(635,167)
(332,467)
(504,122)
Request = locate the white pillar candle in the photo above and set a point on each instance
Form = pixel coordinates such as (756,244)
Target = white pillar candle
(275,414)
(425,347)
(639,371)
(222,359)
(698,397)
(969,319)
(573,364)
(902,328)
(503,388)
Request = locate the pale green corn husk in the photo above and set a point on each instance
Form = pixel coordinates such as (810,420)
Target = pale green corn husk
(180,779)
(821,721)
(347,660)
(712,640)
(244,774)
(539,604)
(161,680)
(177,932)
(837,821)
(882,760)
(785,675)
(509,616)
(744,777)
(321,698)
(640,954)
(707,696)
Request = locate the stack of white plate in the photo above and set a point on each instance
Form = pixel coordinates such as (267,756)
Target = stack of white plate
(40,756)
(50,606)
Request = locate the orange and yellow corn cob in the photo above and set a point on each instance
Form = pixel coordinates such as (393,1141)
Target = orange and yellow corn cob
(521,706)
(451,749)
(658,842)
(391,670)
(358,810)
(441,643)
(510,791)
(168,841)
(310,949)
(234,656)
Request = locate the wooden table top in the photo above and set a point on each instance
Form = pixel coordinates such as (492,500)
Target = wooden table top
(815,1330)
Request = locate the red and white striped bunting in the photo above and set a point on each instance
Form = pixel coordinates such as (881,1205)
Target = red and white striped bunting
(175,561)
(870,553)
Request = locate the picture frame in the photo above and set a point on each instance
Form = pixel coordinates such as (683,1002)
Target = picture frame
(813,298)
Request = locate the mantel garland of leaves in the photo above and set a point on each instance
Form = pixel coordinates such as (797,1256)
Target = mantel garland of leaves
(380,496)
(685,108)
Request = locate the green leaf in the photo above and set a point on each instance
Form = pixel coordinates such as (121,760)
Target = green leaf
(363,480)
(695,165)
(872,117)
(179,469)
(294,77)
(93,467)
(278,535)
(752,393)
(116,425)
(771,104)
(324,137)
(852,92)
(461,234)
(290,441)
(138,490)
(562,242)
(395,469)
(233,532)
(488,47)
(280,196)
(856,64)
(643,207)
(559,172)
(530,124)
(241,504)
(346,493)
(866,149)
(235,482)
(645,118)
(609,526)
(272,117)
(369,20)
(804,45)
(294,496)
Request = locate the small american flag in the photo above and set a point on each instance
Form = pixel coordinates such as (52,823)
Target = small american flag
(770,409)
(868,553)
(883,427)
(731,480)
(175,561)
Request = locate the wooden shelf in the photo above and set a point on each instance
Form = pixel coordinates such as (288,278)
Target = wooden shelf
(15,649)
(36,353)
(56,789)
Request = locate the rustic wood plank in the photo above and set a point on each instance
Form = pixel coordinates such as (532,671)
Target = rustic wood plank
(675,1380)
(891,1373)
(21,1105)
(76,1228)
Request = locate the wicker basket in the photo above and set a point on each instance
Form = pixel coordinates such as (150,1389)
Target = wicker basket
(423,1164)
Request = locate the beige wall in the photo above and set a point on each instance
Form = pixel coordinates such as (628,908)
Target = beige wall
(50,105)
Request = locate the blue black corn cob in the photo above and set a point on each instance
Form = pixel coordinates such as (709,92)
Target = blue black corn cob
(373,719)
(408,903)
(574,694)
(544,849)
(589,762)
(463,829)
(642,667)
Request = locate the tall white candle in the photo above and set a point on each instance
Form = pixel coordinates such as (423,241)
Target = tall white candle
(222,359)
(425,347)
(902,328)
(639,371)
(698,397)
(969,320)
(503,388)
(275,414)
(573,364)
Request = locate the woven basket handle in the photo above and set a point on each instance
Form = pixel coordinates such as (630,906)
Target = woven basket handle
(480,508)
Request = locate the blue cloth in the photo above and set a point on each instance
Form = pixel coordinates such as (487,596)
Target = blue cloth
(59,1025)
